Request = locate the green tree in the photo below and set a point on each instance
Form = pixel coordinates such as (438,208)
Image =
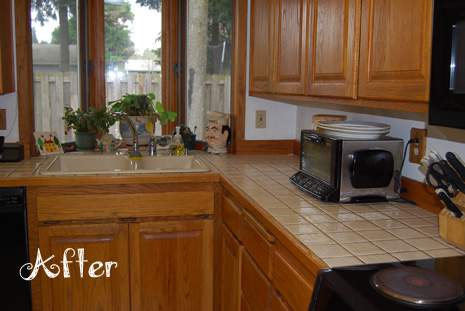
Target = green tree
(118,44)
(72,32)
(48,9)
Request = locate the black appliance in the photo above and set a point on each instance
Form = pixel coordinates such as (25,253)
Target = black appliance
(447,98)
(10,152)
(349,170)
(16,293)
(431,284)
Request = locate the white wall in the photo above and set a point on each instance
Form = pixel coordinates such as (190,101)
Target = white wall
(281,117)
(439,139)
(10,103)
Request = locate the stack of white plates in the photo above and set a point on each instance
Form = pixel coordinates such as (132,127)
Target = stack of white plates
(354,129)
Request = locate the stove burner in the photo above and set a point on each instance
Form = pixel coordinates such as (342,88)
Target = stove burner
(417,286)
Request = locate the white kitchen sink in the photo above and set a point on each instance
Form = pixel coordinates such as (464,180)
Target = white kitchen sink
(88,164)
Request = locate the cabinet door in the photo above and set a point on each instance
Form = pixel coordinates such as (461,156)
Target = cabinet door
(278,304)
(256,289)
(7,76)
(395,49)
(230,272)
(290,40)
(334,47)
(171,264)
(261,45)
(101,242)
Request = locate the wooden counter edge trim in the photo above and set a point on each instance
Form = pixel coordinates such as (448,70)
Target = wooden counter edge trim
(109,180)
(301,252)
(102,206)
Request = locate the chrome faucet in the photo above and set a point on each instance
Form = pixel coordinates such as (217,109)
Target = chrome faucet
(135,152)
(153,146)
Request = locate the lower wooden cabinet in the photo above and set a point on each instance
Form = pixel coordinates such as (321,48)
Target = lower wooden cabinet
(102,242)
(230,267)
(172,265)
(278,304)
(165,265)
(256,289)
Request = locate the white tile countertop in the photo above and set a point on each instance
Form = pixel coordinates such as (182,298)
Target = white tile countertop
(339,234)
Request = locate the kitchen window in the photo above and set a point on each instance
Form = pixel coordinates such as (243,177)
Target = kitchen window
(79,69)
(56,63)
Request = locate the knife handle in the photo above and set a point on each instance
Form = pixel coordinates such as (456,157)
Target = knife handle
(456,164)
(448,203)
(451,176)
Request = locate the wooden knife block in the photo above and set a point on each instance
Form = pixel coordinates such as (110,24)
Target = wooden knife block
(451,228)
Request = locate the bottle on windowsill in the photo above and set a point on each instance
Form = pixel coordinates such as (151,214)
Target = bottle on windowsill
(178,149)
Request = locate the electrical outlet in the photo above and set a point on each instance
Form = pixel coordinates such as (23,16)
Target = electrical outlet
(2,119)
(417,151)
(260,119)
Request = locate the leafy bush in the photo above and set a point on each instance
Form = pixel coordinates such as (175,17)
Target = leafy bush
(142,105)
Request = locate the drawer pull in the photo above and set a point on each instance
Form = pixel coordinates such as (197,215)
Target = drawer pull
(270,238)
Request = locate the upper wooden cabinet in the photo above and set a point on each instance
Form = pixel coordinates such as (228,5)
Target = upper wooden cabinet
(261,45)
(395,49)
(7,75)
(290,46)
(371,53)
(333,54)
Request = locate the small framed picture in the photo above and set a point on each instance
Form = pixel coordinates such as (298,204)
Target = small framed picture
(47,143)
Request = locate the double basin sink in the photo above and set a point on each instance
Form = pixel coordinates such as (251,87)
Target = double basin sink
(88,164)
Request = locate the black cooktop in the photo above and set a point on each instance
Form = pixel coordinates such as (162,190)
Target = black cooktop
(351,288)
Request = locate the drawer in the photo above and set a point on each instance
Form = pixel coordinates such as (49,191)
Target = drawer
(292,280)
(256,289)
(52,207)
(257,241)
(231,215)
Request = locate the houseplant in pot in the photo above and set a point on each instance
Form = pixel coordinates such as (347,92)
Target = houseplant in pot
(88,125)
(143,111)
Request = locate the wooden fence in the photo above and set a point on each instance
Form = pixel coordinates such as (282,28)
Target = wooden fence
(55,90)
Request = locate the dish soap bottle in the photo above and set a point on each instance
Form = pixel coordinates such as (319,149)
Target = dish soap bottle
(178,149)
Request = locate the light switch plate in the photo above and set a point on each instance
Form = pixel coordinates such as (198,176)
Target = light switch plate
(2,119)
(260,119)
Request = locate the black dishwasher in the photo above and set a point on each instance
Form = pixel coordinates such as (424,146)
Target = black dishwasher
(15,293)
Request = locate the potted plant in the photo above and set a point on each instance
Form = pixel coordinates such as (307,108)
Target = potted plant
(87,125)
(143,112)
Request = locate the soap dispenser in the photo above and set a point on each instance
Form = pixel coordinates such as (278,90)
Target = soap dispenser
(178,149)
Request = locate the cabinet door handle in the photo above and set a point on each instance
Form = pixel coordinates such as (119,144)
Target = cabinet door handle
(251,220)
(128,219)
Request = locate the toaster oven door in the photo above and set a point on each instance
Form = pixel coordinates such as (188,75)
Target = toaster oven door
(319,158)
(368,170)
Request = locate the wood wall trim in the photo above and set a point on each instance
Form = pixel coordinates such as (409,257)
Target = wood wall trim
(96,53)
(421,194)
(171,58)
(238,72)
(7,74)
(265,146)
(24,75)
